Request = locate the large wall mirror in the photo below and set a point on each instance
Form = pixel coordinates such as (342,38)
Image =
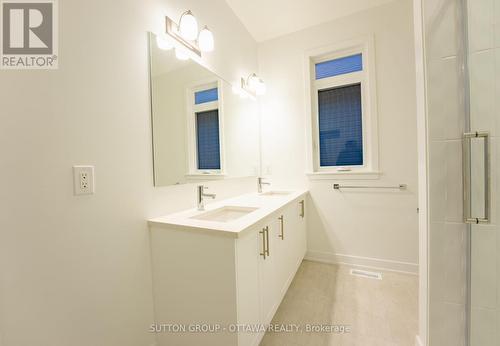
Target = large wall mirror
(202,130)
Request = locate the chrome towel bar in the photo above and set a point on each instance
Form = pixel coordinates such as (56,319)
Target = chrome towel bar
(400,187)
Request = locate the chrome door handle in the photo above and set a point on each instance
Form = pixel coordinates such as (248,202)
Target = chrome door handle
(467,165)
(302,209)
(282,228)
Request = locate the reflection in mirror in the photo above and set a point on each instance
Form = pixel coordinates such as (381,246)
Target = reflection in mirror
(202,130)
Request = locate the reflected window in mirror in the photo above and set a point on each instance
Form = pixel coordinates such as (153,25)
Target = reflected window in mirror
(205,123)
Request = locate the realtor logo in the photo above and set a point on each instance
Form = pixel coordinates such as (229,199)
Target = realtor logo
(29,34)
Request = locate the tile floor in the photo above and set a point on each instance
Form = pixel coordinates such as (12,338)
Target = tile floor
(378,312)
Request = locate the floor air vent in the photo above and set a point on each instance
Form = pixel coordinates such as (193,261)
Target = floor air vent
(366,274)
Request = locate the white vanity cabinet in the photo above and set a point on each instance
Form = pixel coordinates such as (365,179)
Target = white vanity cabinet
(230,281)
(286,245)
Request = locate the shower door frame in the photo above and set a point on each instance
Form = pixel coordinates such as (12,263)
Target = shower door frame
(467,185)
(467,128)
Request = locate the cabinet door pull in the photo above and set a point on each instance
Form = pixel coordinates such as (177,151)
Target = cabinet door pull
(264,252)
(302,209)
(267,240)
(282,228)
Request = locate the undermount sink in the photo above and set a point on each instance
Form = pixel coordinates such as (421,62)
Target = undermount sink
(275,193)
(225,214)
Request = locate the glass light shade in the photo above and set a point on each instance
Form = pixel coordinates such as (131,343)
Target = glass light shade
(179,54)
(252,82)
(163,43)
(188,26)
(261,87)
(206,40)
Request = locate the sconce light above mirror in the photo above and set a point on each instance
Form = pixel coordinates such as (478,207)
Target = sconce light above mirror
(186,34)
(253,85)
(188,26)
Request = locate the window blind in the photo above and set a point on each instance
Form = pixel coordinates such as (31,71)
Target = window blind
(208,144)
(340,126)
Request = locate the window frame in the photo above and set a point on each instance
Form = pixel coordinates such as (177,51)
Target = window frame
(366,78)
(192,137)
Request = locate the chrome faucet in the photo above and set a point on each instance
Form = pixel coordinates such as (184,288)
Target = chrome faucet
(201,195)
(260,182)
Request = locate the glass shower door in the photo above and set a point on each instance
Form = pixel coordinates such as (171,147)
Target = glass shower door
(481,164)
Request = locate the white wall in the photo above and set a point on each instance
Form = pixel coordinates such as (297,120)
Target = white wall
(76,270)
(370,228)
(241,134)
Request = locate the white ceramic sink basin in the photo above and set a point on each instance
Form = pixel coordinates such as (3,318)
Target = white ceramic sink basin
(225,214)
(276,193)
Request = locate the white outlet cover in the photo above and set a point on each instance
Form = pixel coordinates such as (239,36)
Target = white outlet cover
(83,180)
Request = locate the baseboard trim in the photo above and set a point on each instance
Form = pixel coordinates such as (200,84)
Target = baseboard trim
(367,262)
(418,342)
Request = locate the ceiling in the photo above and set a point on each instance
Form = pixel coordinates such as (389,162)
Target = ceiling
(267,19)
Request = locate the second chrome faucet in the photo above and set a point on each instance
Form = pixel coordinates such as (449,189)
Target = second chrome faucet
(202,195)
(260,182)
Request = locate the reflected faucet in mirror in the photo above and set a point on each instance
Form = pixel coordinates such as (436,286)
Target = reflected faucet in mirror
(201,195)
(260,182)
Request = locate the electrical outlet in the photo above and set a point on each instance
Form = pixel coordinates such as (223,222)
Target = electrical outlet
(83,180)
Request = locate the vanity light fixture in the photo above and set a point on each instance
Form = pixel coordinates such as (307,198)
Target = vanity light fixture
(188,26)
(254,85)
(261,88)
(206,40)
(252,81)
(186,33)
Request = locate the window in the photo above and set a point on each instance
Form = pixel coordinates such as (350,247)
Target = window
(204,96)
(207,135)
(343,112)
(204,127)
(340,126)
(339,66)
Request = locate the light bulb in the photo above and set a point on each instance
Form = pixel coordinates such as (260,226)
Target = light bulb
(163,43)
(261,88)
(253,81)
(179,54)
(206,40)
(188,26)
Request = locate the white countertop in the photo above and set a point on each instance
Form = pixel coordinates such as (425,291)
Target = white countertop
(266,206)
